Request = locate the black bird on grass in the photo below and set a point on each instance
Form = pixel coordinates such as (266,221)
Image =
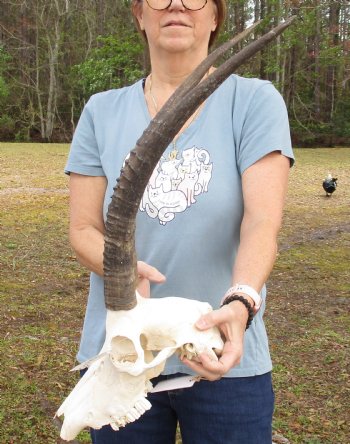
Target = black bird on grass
(329,185)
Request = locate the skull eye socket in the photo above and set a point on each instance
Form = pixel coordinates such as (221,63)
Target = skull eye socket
(123,350)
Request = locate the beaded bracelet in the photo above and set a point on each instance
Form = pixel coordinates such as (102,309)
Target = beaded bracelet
(236,297)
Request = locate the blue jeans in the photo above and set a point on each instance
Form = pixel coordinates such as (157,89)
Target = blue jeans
(228,411)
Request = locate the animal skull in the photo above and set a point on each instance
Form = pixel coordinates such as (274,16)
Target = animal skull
(142,333)
(138,342)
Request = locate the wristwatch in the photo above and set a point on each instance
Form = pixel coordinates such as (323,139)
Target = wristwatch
(249,291)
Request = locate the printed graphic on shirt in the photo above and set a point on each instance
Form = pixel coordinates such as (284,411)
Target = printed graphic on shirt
(176,182)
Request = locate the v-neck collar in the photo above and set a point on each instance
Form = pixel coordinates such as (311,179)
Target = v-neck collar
(190,129)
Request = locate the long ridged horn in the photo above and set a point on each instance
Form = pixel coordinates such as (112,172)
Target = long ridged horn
(120,273)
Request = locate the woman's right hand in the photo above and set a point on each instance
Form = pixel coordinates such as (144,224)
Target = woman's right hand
(147,274)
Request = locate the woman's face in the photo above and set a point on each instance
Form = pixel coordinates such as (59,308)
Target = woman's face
(177,29)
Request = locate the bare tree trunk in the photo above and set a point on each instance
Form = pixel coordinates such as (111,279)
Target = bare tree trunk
(49,18)
(344,36)
(331,76)
(100,17)
(256,10)
(263,52)
(72,114)
(37,84)
(317,67)
(290,70)
(283,74)
(239,18)
(277,18)
(52,90)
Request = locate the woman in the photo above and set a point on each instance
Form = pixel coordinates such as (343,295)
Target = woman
(208,220)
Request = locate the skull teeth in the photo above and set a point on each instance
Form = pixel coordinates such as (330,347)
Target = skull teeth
(142,405)
(121,422)
(139,408)
(114,426)
(133,414)
(130,417)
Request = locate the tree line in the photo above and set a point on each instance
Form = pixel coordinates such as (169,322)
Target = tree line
(55,53)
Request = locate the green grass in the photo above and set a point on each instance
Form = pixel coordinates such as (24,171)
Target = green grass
(43,294)
(307,316)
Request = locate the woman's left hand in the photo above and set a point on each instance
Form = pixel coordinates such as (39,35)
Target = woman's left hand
(231,319)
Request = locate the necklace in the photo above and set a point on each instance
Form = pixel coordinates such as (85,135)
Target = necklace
(188,123)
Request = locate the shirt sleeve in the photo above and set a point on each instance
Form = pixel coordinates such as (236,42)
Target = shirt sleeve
(265,128)
(84,156)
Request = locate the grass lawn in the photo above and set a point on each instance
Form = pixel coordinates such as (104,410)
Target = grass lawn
(43,293)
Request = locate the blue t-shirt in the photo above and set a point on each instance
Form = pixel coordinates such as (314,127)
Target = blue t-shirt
(189,219)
